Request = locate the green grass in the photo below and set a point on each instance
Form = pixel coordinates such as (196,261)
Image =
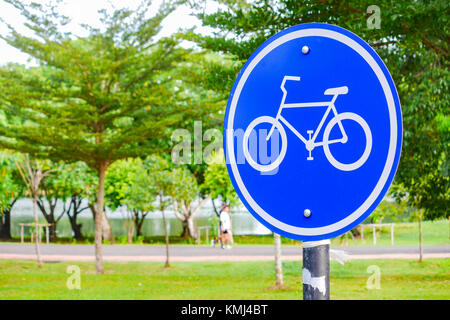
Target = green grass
(434,233)
(400,279)
(406,234)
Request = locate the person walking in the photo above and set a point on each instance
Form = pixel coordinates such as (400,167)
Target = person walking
(225,227)
(225,236)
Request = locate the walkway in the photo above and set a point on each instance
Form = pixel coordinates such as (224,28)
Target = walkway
(153,253)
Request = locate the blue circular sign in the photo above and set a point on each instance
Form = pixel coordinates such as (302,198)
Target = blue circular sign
(313,132)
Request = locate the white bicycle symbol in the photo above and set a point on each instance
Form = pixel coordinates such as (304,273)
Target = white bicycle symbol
(310,143)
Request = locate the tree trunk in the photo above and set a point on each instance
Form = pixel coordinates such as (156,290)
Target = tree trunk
(139,223)
(131,223)
(50,215)
(185,235)
(99,218)
(52,228)
(130,232)
(36,230)
(191,228)
(215,209)
(278,262)
(188,218)
(52,231)
(420,239)
(5,225)
(106,228)
(76,227)
(166,233)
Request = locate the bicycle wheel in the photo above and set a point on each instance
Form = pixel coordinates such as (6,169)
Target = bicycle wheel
(280,157)
(368,134)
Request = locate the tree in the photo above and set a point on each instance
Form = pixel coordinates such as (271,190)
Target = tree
(416,215)
(192,176)
(76,180)
(389,208)
(52,191)
(278,262)
(187,200)
(420,218)
(129,183)
(412,40)
(95,99)
(423,178)
(166,184)
(141,197)
(33,172)
(12,188)
(201,129)
(217,182)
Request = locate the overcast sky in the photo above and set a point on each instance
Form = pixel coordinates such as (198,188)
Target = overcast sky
(86,12)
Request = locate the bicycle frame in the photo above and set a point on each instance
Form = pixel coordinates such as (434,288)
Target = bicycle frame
(311,143)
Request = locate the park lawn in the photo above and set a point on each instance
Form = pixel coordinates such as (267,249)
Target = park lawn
(406,234)
(400,279)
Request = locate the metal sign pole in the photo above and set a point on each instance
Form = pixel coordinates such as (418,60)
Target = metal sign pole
(316,270)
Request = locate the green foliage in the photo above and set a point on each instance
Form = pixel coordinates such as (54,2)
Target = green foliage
(171,183)
(108,96)
(129,183)
(217,181)
(94,99)
(241,26)
(393,211)
(137,183)
(76,179)
(12,186)
(67,180)
(413,42)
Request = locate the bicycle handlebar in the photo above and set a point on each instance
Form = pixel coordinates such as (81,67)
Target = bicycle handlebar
(293,78)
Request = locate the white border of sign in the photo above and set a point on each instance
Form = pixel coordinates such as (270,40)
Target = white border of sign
(392,141)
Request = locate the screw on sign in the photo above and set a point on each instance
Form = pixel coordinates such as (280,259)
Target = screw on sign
(313,134)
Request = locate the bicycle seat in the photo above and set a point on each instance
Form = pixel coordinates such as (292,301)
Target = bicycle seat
(336,91)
